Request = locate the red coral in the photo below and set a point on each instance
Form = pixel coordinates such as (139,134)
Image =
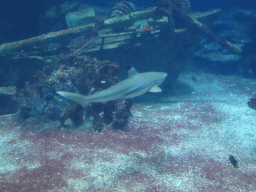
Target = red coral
(148,28)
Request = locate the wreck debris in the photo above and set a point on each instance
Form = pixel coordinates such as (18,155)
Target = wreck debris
(178,10)
(62,35)
(83,48)
(168,45)
(80,18)
(129,18)
(43,39)
(206,31)
(122,8)
(173,12)
(93,35)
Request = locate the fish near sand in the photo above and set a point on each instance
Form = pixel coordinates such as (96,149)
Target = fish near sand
(136,84)
(233,161)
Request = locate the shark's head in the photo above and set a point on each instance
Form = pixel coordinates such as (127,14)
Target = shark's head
(159,77)
(151,80)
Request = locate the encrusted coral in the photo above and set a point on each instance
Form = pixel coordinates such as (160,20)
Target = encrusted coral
(72,73)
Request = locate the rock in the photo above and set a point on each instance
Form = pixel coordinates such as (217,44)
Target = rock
(8,104)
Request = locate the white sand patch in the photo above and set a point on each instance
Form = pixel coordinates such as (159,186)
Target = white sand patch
(236,134)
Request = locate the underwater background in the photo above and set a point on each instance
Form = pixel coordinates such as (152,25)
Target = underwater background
(197,133)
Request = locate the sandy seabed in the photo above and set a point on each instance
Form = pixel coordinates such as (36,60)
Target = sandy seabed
(178,144)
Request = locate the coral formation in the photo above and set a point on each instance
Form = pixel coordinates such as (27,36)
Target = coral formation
(122,115)
(119,118)
(72,73)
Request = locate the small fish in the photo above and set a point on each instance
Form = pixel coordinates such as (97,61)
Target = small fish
(194,78)
(233,161)
(136,85)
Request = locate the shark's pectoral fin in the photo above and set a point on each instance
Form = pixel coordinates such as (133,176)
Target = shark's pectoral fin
(155,89)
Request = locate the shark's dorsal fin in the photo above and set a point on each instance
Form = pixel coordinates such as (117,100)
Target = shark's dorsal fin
(155,89)
(132,72)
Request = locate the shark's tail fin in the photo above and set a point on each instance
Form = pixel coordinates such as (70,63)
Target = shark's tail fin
(81,99)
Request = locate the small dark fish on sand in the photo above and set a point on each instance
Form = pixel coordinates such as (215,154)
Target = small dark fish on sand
(233,161)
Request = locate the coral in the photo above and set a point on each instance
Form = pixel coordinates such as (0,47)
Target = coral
(109,108)
(75,113)
(71,73)
(119,118)
(94,109)
(122,114)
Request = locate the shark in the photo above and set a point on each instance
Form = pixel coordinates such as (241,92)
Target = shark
(135,85)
